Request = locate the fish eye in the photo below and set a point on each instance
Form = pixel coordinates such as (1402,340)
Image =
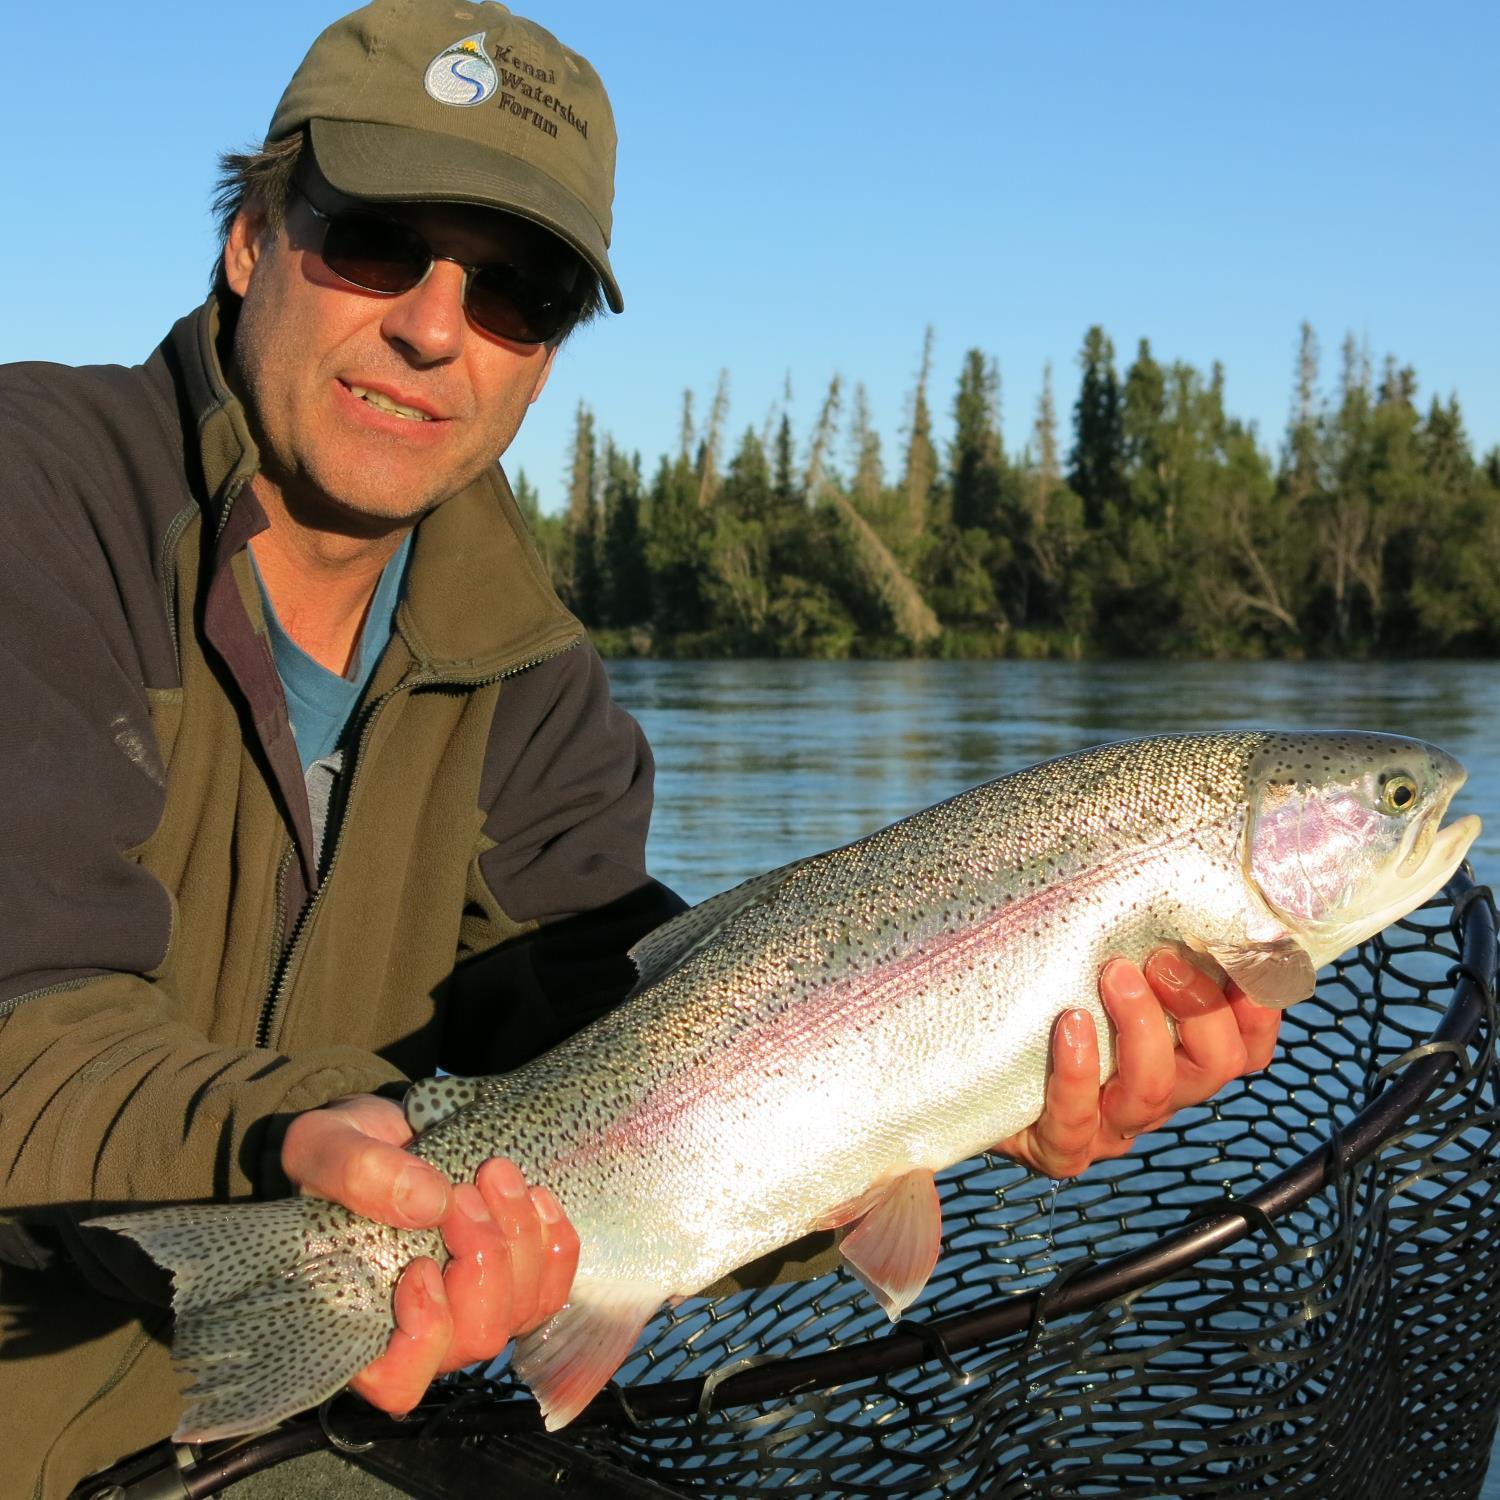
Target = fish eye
(1399,794)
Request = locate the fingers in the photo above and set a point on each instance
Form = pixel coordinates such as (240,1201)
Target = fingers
(1140,1094)
(1213,1051)
(1061,1142)
(512,1252)
(1260,1027)
(477,1279)
(514,1255)
(559,1258)
(350,1153)
(424,1329)
(1223,1034)
(1220,1034)
(510,1202)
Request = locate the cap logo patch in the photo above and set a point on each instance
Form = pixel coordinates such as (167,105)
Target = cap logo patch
(461,74)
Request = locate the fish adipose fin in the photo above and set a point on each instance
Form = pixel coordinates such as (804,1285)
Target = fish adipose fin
(263,1328)
(895,1245)
(434,1099)
(1275,974)
(567,1361)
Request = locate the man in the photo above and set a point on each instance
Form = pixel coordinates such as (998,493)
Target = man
(311,783)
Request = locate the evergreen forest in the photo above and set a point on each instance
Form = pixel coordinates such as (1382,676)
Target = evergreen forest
(1157,525)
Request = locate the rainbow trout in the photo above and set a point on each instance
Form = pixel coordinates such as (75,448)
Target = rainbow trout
(806,1050)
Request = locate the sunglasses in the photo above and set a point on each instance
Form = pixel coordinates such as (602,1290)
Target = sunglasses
(388,258)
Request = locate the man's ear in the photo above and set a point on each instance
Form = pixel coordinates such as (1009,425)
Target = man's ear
(243,246)
(546,370)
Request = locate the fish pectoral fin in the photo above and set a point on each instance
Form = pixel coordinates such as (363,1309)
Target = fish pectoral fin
(568,1360)
(434,1099)
(1275,974)
(895,1245)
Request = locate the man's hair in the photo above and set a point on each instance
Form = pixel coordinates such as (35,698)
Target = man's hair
(260,179)
(265,180)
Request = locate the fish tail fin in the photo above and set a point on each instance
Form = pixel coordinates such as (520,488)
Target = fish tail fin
(275,1307)
(569,1359)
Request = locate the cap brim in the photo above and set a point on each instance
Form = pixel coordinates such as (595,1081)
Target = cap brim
(391,163)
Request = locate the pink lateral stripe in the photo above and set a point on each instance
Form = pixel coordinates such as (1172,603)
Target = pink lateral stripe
(839,1006)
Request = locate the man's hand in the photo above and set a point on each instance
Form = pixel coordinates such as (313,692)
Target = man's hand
(513,1251)
(1220,1035)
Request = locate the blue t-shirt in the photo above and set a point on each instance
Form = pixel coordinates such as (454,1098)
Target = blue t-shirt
(319,702)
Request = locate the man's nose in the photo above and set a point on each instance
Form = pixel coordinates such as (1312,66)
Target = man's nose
(428,321)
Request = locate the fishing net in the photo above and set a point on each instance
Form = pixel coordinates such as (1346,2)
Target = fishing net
(1290,1290)
(1122,1333)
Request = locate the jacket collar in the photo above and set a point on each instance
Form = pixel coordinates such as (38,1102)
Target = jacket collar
(478,599)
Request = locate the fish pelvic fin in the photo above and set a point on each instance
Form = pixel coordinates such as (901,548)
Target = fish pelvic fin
(275,1307)
(568,1360)
(894,1247)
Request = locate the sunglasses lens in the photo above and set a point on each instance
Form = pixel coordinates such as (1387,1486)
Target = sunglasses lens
(506,302)
(376,254)
(385,256)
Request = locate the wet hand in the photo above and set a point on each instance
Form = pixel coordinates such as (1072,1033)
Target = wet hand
(1221,1034)
(512,1251)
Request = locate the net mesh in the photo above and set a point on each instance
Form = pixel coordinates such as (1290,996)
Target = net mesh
(1343,1344)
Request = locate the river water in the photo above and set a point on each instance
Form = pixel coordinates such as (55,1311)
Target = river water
(761,762)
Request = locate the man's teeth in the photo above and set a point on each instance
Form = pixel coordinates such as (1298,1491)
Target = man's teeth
(376,398)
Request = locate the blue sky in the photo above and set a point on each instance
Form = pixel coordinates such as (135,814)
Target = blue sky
(804,187)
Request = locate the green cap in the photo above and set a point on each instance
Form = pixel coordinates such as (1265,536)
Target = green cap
(432,101)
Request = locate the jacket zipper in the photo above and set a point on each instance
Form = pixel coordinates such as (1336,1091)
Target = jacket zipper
(169,578)
(6,1006)
(285,971)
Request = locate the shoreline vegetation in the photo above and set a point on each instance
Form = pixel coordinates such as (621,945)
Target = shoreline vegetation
(1163,530)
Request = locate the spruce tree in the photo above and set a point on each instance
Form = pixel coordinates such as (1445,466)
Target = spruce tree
(583,591)
(1301,457)
(919,471)
(626,579)
(1143,425)
(976,460)
(527,500)
(784,478)
(864,443)
(1097,475)
(713,438)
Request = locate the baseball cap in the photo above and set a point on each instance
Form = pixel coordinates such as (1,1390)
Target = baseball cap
(437,101)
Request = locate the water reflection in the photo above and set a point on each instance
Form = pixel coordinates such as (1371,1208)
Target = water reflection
(762,762)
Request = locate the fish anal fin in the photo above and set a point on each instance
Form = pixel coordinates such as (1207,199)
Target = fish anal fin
(895,1245)
(568,1360)
(854,1208)
(434,1099)
(1275,974)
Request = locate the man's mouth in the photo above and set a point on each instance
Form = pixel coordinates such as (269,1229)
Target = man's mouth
(385,403)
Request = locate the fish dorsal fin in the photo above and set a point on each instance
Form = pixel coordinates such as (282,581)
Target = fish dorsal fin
(434,1099)
(895,1245)
(569,1359)
(1276,973)
(660,952)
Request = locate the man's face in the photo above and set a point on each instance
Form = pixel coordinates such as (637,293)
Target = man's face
(310,350)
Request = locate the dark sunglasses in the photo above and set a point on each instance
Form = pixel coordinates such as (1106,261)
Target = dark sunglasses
(388,258)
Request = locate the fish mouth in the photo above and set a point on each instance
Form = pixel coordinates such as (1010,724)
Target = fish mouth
(1419,876)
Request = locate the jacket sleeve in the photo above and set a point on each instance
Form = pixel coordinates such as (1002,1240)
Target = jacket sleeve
(111,1089)
(566,787)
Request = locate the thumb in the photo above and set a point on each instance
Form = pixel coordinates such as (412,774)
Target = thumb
(348,1156)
